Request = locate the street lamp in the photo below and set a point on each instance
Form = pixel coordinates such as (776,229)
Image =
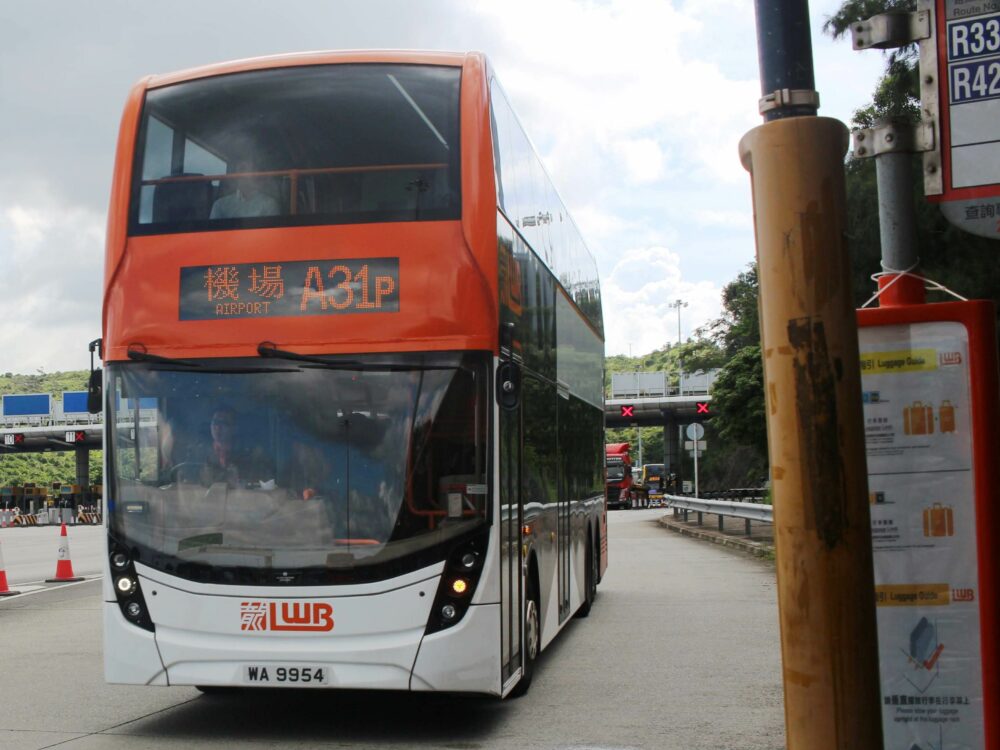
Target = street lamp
(678,305)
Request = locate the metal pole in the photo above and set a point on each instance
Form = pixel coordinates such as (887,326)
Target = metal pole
(784,48)
(813,392)
(83,466)
(696,468)
(897,216)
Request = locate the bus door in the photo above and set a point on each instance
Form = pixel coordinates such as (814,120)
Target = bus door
(563,490)
(511,595)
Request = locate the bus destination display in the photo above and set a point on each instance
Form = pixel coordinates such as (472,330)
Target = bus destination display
(283,288)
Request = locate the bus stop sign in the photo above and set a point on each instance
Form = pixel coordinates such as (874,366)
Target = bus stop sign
(968,63)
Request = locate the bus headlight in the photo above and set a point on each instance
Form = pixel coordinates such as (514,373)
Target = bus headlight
(133,610)
(125,585)
(457,585)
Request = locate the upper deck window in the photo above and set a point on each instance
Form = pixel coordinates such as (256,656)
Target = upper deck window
(331,144)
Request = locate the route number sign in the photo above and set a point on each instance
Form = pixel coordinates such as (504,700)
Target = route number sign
(968,47)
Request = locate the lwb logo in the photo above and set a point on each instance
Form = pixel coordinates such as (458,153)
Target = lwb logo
(314,617)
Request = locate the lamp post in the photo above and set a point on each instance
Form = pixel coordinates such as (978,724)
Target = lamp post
(678,304)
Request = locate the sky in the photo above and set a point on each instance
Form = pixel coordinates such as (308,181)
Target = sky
(636,108)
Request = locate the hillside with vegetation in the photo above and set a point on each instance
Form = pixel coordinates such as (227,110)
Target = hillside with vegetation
(54,466)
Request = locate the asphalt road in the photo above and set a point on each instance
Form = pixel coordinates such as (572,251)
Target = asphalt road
(681,651)
(31,553)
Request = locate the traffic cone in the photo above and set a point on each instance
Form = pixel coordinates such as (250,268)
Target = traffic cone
(4,588)
(64,566)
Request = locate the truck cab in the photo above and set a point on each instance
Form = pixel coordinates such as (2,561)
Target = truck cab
(618,472)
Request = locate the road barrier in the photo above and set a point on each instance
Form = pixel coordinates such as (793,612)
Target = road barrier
(89,516)
(722,508)
(26,520)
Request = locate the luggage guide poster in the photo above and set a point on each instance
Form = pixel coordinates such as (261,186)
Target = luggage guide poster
(918,434)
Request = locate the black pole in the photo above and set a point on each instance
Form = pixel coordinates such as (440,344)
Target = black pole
(784,48)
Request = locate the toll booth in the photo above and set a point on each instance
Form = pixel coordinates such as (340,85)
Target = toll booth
(10,498)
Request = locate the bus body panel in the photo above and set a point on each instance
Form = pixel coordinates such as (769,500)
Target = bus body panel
(441,305)
(464,658)
(478,204)
(365,640)
(130,653)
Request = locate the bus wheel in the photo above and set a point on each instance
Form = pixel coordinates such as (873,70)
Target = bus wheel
(532,640)
(590,581)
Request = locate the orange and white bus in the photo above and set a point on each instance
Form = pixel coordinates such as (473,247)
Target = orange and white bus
(352,383)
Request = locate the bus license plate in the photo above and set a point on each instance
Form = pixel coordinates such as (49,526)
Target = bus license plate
(285,674)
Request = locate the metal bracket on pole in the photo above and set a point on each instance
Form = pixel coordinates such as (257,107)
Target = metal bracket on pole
(783,98)
(891,30)
(893,137)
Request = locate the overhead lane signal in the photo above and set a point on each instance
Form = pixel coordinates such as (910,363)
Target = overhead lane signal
(13,439)
(628,411)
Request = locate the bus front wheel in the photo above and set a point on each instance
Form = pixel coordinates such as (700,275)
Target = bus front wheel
(532,639)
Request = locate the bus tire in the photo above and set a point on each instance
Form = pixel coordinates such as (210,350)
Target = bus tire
(590,580)
(532,638)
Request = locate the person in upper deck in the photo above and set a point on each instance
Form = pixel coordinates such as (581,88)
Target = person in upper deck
(248,196)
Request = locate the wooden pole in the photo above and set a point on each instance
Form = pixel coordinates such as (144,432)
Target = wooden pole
(815,435)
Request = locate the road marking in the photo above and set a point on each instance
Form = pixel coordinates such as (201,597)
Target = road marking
(27,589)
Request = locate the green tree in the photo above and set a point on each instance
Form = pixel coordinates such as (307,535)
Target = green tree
(738,393)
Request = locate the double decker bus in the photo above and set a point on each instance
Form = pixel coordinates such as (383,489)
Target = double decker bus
(352,383)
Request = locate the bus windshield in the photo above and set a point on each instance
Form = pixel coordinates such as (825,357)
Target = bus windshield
(265,472)
(323,144)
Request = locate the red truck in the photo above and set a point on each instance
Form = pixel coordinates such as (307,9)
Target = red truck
(618,468)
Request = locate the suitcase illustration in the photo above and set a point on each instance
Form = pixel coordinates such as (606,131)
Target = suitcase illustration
(946,417)
(939,521)
(918,419)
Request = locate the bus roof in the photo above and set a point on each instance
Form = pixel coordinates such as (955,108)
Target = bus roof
(330,57)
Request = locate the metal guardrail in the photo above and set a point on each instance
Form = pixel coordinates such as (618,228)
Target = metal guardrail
(721,508)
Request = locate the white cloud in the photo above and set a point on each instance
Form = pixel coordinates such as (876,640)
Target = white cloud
(51,286)
(637,298)
(643,159)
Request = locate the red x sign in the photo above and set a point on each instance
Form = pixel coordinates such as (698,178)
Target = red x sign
(628,411)
(702,407)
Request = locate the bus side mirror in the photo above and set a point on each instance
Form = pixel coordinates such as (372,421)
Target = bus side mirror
(508,385)
(95,386)
(95,391)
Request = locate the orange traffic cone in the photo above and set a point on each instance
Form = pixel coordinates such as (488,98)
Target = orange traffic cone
(4,588)
(64,566)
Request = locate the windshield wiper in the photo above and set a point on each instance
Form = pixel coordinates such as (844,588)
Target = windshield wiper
(141,355)
(268,349)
